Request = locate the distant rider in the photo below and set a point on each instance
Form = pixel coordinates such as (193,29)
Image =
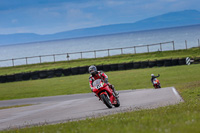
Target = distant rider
(153,77)
(99,75)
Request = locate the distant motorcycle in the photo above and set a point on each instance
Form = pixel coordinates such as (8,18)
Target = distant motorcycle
(156,83)
(106,94)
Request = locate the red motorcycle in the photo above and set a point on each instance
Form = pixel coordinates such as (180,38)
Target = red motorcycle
(156,83)
(105,94)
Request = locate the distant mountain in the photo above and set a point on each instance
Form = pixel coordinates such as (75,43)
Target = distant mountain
(173,19)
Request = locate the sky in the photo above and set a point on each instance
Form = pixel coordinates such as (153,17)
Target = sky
(53,16)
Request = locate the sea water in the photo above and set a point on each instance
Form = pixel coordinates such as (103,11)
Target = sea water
(68,47)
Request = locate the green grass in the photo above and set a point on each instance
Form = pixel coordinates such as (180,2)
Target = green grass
(183,117)
(193,52)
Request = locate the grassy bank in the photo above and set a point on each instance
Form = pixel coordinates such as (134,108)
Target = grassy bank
(193,52)
(184,117)
(123,80)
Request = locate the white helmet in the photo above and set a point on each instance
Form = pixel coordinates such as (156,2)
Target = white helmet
(152,75)
(92,69)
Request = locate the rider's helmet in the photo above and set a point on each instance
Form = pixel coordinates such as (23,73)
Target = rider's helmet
(152,75)
(92,70)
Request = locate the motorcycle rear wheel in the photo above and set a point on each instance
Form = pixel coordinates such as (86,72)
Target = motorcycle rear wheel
(106,100)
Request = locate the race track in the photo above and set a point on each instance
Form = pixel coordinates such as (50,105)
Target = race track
(63,108)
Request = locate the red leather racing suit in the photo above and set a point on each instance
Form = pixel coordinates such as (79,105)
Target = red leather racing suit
(99,75)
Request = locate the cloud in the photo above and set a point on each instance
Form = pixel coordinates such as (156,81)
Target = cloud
(14,21)
(114,3)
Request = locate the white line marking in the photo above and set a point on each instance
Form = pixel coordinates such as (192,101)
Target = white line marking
(176,93)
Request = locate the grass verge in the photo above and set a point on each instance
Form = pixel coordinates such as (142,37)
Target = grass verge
(16,106)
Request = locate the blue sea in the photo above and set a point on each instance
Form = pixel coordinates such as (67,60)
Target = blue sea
(179,35)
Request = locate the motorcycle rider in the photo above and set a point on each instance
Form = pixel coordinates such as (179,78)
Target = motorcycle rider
(99,75)
(153,77)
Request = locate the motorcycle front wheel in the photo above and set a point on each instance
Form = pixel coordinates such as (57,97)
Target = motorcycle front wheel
(106,100)
(118,103)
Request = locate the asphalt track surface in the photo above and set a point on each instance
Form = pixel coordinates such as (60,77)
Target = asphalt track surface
(58,109)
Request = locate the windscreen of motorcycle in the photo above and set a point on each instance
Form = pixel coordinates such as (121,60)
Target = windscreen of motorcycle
(96,82)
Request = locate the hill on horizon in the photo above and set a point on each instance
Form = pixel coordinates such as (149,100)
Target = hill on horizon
(172,19)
